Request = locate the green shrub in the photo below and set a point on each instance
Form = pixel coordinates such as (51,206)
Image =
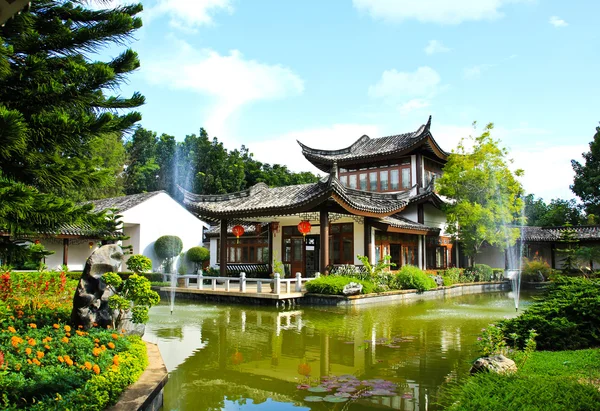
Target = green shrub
(535,271)
(198,254)
(479,272)
(498,273)
(410,277)
(334,285)
(168,246)
(133,296)
(139,263)
(451,276)
(568,317)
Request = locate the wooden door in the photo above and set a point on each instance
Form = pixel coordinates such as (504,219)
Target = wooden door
(297,260)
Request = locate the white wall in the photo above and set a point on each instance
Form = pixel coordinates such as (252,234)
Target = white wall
(410,212)
(491,256)
(79,251)
(434,217)
(161,215)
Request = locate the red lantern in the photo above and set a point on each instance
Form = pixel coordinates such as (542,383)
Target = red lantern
(304,227)
(238,231)
(91,244)
(36,242)
(275,227)
(257,228)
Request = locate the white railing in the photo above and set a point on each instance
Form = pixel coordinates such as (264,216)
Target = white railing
(242,281)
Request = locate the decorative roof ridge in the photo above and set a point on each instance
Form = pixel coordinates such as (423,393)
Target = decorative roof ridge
(105,203)
(346,150)
(255,189)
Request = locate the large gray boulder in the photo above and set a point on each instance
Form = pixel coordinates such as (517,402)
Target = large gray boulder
(90,303)
(496,363)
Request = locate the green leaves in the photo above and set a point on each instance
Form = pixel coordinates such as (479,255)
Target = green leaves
(586,184)
(485,194)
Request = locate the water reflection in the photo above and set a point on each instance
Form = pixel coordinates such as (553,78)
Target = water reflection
(238,357)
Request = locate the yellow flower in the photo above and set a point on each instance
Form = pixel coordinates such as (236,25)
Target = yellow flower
(67,328)
(12,329)
(111,345)
(69,361)
(88,365)
(96,340)
(60,358)
(28,361)
(56,326)
(115,336)
(40,354)
(31,342)
(36,362)
(103,347)
(28,351)
(47,346)
(96,369)
(65,340)
(116,360)
(32,325)
(96,352)
(18,366)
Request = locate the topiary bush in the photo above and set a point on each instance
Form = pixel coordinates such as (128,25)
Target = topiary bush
(535,270)
(167,247)
(410,277)
(139,263)
(198,255)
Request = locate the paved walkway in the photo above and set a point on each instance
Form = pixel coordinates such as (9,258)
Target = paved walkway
(234,291)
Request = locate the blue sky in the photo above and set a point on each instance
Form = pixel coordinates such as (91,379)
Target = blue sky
(264,73)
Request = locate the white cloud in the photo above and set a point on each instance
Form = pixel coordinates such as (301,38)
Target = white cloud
(434,11)
(474,72)
(188,14)
(397,85)
(284,149)
(435,46)
(558,22)
(231,79)
(414,104)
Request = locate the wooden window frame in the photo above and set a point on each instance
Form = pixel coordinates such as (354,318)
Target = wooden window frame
(378,169)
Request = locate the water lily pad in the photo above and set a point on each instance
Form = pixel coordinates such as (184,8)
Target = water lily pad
(333,398)
(347,389)
(319,388)
(313,398)
(342,394)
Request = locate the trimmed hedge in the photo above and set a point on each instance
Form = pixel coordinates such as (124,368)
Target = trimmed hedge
(334,285)
(168,246)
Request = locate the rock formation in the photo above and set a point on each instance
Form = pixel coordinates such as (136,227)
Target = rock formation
(90,303)
(497,363)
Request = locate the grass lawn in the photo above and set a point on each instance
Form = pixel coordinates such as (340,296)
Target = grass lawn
(561,380)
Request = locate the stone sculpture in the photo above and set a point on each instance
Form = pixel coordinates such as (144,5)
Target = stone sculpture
(496,363)
(90,303)
(352,289)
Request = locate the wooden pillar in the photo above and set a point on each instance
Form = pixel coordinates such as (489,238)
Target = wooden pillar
(223,251)
(553,255)
(419,170)
(324,225)
(368,242)
(65,251)
(270,240)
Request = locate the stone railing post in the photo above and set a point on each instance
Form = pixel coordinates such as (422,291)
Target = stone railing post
(298,282)
(259,287)
(200,281)
(242,282)
(317,275)
(277,285)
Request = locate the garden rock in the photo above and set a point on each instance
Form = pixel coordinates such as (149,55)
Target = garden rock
(90,303)
(352,289)
(497,363)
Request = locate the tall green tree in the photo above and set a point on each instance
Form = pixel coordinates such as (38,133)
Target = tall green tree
(558,212)
(586,184)
(485,195)
(166,157)
(55,104)
(141,174)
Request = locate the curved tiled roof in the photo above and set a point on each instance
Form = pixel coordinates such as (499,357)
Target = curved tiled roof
(543,234)
(122,203)
(367,147)
(261,200)
(401,222)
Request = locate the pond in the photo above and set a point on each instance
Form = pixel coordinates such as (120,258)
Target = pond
(393,356)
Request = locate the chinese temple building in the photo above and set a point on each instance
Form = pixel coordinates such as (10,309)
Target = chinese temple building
(376,199)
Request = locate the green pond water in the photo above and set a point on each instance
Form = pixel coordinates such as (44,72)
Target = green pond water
(377,357)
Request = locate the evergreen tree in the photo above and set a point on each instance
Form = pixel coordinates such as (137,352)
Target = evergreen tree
(586,184)
(568,237)
(54,108)
(141,174)
(558,213)
(166,156)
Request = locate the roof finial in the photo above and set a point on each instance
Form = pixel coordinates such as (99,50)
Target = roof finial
(333,173)
(428,123)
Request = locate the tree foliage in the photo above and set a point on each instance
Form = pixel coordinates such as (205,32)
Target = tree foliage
(56,114)
(558,212)
(485,195)
(586,184)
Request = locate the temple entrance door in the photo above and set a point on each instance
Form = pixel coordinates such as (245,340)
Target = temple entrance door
(297,259)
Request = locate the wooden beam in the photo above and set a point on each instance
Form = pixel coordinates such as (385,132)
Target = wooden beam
(270,240)
(367,240)
(65,251)
(324,225)
(223,251)
(419,170)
